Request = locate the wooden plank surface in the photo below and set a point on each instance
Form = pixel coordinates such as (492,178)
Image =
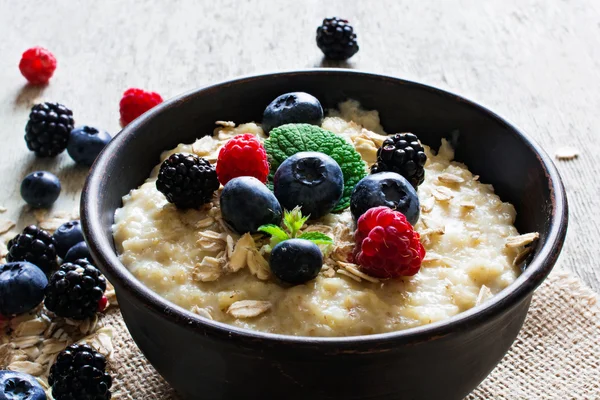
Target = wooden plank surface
(536,63)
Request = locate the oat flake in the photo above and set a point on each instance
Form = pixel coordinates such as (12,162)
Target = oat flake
(566,153)
(6,225)
(522,240)
(248,308)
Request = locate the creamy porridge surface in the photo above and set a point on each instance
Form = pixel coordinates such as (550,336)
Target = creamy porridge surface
(191,259)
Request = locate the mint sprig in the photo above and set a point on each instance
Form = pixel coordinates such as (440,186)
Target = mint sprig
(293,221)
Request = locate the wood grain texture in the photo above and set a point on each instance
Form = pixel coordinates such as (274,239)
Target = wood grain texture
(537,63)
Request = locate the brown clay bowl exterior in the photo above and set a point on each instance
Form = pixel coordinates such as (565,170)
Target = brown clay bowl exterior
(204,359)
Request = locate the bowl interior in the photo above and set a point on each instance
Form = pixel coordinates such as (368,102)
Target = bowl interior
(520,172)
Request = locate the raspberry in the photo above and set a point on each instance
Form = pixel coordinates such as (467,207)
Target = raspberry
(242,155)
(135,102)
(37,65)
(387,246)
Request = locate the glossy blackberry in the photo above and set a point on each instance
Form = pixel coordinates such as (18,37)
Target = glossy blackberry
(75,290)
(48,129)
(336,39)
(187,181)
(403,154)
(79,373)
(34,245)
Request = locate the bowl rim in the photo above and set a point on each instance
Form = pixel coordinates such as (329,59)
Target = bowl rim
(526,283)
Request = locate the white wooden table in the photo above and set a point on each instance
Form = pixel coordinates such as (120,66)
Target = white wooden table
(535,62)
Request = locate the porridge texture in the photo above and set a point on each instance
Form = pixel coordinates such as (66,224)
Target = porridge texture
(192,259)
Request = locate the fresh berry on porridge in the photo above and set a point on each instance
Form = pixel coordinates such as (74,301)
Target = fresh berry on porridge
(318,226)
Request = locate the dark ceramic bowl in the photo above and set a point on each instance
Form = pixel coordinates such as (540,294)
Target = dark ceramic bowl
(204,359)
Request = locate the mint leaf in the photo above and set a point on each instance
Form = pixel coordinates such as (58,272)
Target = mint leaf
(293,221)
(316,237)
(277,234)
(287,140)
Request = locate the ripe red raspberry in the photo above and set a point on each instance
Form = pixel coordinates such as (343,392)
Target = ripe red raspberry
(387,246)
(135,102)
(242,155)
(37,65)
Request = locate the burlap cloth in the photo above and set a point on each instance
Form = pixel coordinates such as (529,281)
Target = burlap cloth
(556,355)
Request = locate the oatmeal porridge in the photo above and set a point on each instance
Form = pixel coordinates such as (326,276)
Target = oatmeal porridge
(193,259)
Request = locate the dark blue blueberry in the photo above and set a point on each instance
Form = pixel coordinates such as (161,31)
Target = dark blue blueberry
(85,143)
(40,189)
(289,108)
(78,252)
(385,189)
(66,236)
(22,287)
(311,180)
(20,386)
(246,204)
(296,261)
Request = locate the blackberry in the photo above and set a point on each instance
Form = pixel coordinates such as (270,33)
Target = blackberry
(187,181)
(79,373)
(404,155)
(48,129)
(75,290)
(34,245)
(336,39)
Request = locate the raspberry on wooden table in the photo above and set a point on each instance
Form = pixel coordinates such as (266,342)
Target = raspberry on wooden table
(37,65)
(135,102)
(387,246)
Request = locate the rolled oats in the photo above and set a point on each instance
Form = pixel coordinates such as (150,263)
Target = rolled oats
(522,240)
(248,308)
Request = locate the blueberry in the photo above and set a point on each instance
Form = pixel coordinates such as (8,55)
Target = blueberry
(296,107)
(296,261)
(85,143)
(78,252)
(20,386)
(66,236)
(385,189)
(22,287)
(311,180)
(246,204)
(40,189)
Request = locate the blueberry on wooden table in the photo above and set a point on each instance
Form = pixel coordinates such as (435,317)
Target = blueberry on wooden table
(40,189)
(85,143)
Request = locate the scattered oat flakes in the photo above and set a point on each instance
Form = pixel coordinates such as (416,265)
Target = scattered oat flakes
(522,256)
(475,177)
(248,308)
(484,294)
(3,209)
(442,194)
(432,231)
(52,224)
(468,205)
(227,124)
(205,222)
(238,259)
(6,225)
(522,240)
(427,204)
(208,270)
(27,367)
(327,271)
(349,275)
(566,153)
(258,265)
(449,178)
(40,214)
(353,269)
(203,312)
